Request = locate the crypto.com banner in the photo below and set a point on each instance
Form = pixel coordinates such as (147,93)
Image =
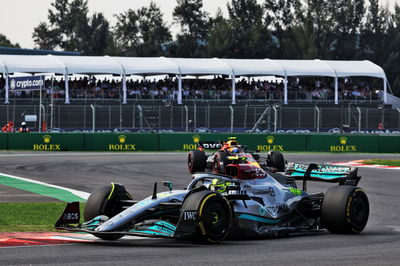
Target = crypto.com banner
(27,83)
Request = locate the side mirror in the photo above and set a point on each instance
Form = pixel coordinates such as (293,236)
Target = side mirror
(168,184)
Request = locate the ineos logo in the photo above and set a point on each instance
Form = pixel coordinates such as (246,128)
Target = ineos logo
(71,216)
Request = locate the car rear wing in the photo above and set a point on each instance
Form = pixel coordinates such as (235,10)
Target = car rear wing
(344,175)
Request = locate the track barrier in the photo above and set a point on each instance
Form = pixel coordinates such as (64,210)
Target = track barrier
(131,142)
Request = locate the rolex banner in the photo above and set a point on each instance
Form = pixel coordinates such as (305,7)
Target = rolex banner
(46,141)
(134,142)
(117,142)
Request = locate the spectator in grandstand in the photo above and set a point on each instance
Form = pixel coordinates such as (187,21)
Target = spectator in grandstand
(2,82)
(23,128)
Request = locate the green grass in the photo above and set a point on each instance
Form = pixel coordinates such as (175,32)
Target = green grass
(31,216)
(383,162)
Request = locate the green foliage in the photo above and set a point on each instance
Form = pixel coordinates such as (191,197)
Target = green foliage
(141,33)
(69,28)
(293,29)
(6,42)
(194,24)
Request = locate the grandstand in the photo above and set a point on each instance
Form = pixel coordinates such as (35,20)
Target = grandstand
(312,95)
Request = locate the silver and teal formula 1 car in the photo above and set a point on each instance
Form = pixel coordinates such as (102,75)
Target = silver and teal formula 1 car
(249,202)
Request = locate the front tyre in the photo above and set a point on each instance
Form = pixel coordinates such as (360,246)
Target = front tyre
(106,201)
(345,210)
(214,216)
(197,161)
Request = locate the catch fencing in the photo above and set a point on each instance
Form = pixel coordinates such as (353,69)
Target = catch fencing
(203,118)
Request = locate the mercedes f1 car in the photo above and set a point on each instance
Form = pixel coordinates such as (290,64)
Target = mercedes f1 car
(245,201)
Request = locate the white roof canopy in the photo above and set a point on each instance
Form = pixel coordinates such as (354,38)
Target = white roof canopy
(147,66)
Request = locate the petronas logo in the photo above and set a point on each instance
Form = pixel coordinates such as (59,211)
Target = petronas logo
(196,138)
(343,140)
(122,139)
(46,138)
(270,139)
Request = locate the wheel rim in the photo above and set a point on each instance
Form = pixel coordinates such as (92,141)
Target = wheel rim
(359,212)
(215,218)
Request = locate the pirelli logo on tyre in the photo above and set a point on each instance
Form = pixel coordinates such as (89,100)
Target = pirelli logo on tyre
(343,146)
(122,145)
(270,144)
(47,145)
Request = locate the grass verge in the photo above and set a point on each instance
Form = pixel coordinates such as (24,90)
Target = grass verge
(30,216)
(383,162)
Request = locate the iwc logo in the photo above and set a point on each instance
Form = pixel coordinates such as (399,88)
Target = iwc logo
(47,146)
(343,147)
(189,147)
(271,146)
(122,146)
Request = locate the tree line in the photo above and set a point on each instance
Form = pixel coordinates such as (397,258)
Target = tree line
(279,29)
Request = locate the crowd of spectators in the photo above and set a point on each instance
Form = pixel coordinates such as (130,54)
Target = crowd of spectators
(201,89)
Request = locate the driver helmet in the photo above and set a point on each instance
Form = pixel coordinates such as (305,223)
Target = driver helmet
(233,149)
(23,124)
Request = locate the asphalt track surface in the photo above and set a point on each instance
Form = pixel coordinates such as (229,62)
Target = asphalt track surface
(379,244)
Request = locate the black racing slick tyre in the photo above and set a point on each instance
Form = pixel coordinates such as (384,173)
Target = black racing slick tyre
(275,159)
(106,201)
(345,210)
(214,216)
(197,161)
(220,162)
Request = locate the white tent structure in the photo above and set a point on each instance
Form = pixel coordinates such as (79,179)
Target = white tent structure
(148,66)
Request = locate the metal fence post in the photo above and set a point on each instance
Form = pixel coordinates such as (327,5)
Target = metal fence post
(232,117)
(140,117)
(172,116)
(194,116)
(186,118)
(318,117)
(133,116)
(359,119)
(42,111)
(93,117)
(245,117)
(398,110)
(275,118)
(84,116)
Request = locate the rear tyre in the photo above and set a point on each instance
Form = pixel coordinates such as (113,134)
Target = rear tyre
(275,159)
(214,216)
(345,210)
(220,162)
(197,161)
